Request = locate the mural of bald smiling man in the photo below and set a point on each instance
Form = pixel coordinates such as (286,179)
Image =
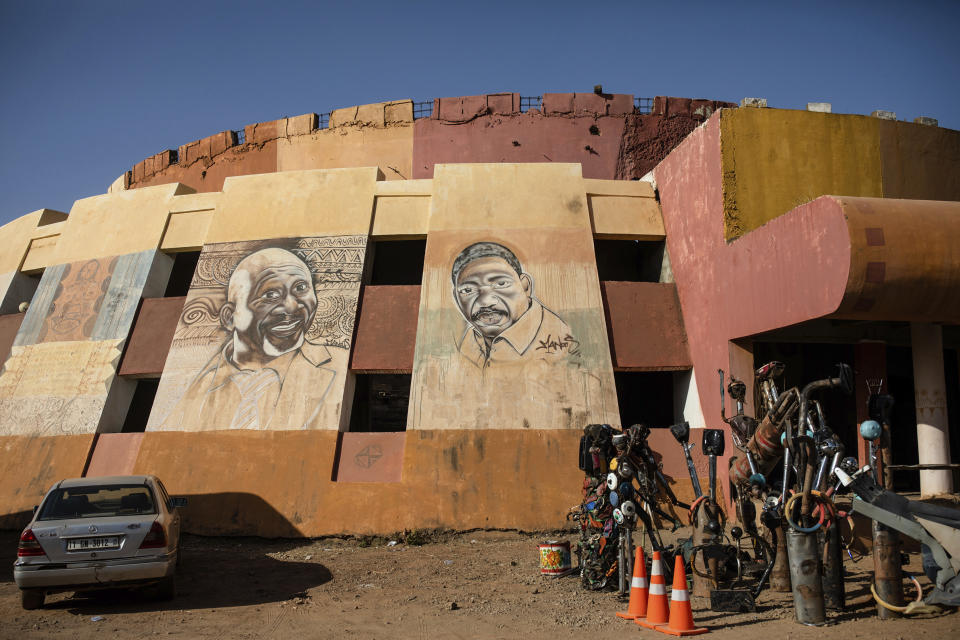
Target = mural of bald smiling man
(506,323)
(256,380)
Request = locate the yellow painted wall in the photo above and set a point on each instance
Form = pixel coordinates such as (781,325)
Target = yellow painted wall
(117,224)
(777,159)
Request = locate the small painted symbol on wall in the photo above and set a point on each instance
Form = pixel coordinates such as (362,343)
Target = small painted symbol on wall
(368,456)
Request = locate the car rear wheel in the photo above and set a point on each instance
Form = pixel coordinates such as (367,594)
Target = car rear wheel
(32,598)
(167,588)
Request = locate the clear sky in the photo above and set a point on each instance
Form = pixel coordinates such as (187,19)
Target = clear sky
(90,88)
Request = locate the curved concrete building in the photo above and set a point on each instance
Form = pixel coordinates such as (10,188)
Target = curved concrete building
(402,315)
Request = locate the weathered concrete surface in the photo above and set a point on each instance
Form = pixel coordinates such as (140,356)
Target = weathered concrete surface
(151,336)
(386,329)
(528,137)
(30,465)
(647,139)
(114,454)
(645,326)
(777,159)
(280,484)
(9,325)
(904,264)
(371,457)
(373,135)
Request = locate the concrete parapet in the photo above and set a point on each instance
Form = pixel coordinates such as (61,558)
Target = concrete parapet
(378,114)
(466,108)
(595,104)
(754,102)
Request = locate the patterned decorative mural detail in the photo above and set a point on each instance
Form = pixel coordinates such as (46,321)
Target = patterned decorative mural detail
(264,336)
(34,320)
(510,336)
(76,303)
(65,356)
(57,387)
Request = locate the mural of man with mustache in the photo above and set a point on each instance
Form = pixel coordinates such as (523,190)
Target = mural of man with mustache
(506,323)
(266,374)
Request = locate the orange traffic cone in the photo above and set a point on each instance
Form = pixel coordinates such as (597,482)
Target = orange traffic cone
(638,589)
(657,612)
(681,616)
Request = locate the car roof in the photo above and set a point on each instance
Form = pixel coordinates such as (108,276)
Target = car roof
(102,480)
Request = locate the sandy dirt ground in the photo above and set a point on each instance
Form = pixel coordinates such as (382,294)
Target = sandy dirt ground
(467,585)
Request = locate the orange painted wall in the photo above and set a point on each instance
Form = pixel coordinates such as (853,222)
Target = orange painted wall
(30,465)
(279,483)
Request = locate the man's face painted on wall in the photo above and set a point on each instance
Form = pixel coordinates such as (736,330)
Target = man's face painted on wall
(491,295)
(273,302)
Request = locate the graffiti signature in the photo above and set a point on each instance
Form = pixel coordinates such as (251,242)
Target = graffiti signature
(566,343)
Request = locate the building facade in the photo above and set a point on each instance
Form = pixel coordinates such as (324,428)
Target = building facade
(370,321)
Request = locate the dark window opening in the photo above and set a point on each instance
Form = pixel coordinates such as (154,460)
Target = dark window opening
(380,402)
(397,261)
(645,397)
(629,260)
(184,264)
(140,405)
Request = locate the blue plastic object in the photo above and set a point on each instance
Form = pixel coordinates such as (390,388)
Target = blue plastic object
(614,498)
(870,429)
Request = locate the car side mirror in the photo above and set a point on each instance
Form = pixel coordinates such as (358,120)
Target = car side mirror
(177,503)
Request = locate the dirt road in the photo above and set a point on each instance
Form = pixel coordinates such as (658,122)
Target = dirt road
(470,585)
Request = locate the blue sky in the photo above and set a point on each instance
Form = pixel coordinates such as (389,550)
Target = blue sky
(91,88)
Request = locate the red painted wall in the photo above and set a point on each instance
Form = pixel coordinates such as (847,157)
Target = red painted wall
(386,329)
(151,336)
(645,326)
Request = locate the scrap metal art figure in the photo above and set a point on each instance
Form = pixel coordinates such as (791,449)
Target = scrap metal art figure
(623,484)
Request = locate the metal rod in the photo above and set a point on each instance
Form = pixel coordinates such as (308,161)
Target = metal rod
(887,574)
(834,595)
(805,576)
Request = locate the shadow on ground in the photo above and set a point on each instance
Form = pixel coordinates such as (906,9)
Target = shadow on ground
(214,572)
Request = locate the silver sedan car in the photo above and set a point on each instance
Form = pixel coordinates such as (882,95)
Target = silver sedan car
(95,533)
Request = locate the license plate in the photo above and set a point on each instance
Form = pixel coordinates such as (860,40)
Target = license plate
(83,544)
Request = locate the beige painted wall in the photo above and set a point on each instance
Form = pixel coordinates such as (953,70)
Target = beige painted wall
(560,374)
(117,223)
(294,204)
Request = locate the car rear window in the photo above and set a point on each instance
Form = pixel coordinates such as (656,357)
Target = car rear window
(97,501)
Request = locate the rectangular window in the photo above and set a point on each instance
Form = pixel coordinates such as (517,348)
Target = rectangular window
(629,260)
(184,264)
(645,397)
(380,402)
(140,405)
(396,261)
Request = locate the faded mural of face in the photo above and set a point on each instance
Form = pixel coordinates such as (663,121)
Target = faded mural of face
(271,303)
(491,295)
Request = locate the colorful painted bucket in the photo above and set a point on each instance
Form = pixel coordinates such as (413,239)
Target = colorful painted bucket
(554,558)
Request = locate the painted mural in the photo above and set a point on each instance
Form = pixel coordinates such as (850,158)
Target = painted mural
(510,336)
(64,359)
(505,323)
(264,337)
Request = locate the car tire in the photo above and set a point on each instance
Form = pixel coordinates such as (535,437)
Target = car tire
(167,588)
(32,598)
